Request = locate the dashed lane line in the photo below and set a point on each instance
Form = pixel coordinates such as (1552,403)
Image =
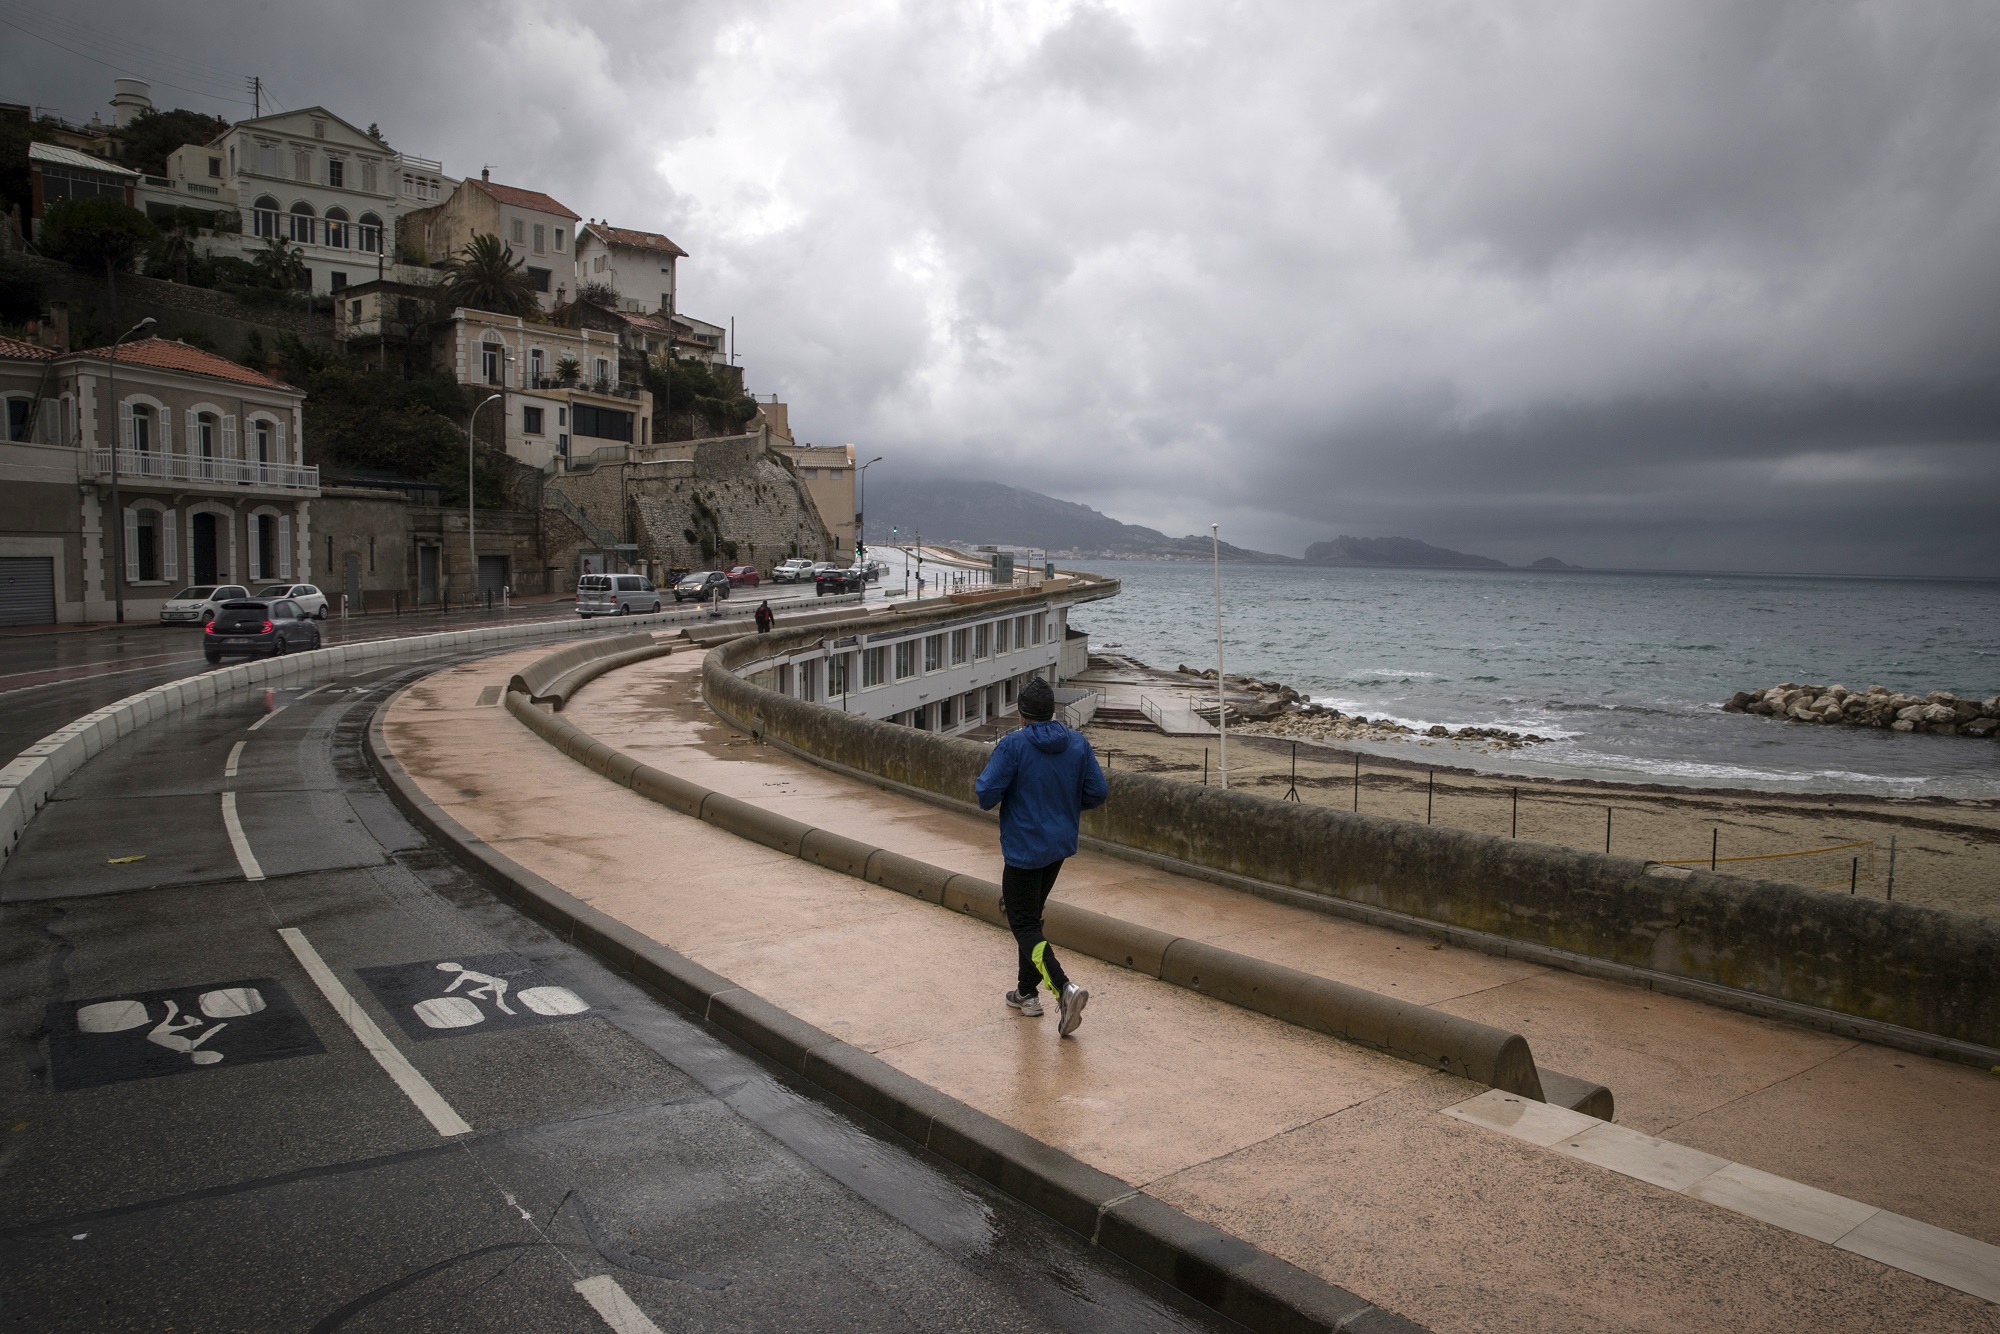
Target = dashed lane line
(620,1312)
(267,718)
(244,857)
(235,755)
(415,1087)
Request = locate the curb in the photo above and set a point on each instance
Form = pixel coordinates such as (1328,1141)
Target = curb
(1220,1271)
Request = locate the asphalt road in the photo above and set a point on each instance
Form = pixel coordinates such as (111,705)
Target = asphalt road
(197,1134)
(50,678)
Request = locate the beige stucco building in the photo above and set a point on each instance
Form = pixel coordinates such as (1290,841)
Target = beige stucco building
(531,224)
(211,483)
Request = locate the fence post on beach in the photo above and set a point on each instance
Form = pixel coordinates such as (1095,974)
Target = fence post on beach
(1714,845)
(1517,813)
(1292,793)
(1204,766)
(1607,831)
(1854,875)
(1430,796)
(1892,866)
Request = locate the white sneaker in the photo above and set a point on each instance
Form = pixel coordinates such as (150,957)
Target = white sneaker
(1029,1005)
(1071,1003)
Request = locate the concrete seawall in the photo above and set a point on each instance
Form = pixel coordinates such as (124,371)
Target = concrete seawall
(1918,978)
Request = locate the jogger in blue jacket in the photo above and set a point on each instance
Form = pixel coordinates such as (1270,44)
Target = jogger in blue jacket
(1042,777)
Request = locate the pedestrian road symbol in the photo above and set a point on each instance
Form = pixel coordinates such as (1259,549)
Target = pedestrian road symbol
(441,997)
(144,1034)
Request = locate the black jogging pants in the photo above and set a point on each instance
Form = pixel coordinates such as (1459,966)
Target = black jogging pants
(1023,894)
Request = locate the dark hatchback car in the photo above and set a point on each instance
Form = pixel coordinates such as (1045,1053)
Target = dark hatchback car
(836,580)
(247,629)
(702,586)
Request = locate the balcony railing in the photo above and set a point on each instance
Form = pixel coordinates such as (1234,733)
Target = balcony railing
(153,466)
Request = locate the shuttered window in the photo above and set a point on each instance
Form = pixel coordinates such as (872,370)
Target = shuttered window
(170,547)
(284,546)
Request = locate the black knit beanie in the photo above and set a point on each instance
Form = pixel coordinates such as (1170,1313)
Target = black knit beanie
(1037,701)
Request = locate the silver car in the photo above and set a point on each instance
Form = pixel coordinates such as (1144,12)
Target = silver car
(615,595)
(311,601)
(198,605)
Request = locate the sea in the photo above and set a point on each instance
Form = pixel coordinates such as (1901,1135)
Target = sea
(1623,672)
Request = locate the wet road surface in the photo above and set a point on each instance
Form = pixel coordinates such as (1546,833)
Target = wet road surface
(295,1070)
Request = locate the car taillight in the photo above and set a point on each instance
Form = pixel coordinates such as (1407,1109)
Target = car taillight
(267,627)
(209,628)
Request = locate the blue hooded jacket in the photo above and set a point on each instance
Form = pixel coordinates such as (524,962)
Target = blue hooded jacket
(1042,777)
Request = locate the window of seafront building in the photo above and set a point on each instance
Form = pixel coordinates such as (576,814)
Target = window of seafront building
(1000,637)
(874,667)
(906,659)
(961,646)
(982,641)
(933,653)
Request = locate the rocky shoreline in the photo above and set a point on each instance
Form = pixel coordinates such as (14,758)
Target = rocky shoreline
(1940,712)
(1276,710)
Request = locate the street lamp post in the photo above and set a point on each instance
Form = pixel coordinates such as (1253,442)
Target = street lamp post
(861,510)
(117,506)
(1221,700)
(471,522)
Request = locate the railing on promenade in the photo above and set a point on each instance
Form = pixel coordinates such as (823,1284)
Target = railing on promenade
(159,466)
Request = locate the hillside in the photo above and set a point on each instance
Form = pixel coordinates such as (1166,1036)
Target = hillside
(967,513)
(1404,551)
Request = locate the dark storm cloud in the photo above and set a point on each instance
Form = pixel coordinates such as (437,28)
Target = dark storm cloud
(1675,283)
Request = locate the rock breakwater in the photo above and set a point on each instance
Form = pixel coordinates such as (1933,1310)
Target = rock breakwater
(1271,708)
(1939,712)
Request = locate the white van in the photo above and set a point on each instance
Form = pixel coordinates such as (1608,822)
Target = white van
(615,595)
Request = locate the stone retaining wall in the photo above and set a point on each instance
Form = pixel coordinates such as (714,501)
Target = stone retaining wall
(1922,970)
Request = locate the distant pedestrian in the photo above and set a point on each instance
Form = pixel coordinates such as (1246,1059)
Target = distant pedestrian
(1042,777)
(764,617)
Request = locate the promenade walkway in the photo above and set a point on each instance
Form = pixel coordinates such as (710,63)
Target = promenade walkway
(1338,1159)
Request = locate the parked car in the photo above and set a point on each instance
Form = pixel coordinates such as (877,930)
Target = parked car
(615,595)
(836,579)
(702,586)
(198,605)
(246,628)
(744,576)
(792,572)
(311,601)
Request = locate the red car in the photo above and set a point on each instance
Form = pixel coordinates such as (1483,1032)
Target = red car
(744,576)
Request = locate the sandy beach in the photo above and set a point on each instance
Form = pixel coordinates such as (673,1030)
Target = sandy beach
(1947,852)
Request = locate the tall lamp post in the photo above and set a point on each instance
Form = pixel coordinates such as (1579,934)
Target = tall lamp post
(117,506)
(471,522)
(1221,700)
(861,510)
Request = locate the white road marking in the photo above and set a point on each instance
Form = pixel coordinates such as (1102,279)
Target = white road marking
(620,1312)
(244,857)
(314,691)
(267,717)
(415,1087)
(235,754)
(1956,1261)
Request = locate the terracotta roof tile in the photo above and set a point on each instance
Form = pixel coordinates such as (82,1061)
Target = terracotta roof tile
(19,351)
(167,355)
(533,199)
(641,240)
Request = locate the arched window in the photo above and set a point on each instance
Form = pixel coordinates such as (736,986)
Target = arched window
(371,233)
(337,228)
(264,216)
(302,223)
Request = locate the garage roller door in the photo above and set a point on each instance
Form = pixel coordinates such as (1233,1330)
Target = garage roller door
(27,590)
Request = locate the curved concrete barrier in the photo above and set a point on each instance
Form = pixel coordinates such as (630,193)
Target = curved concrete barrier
(1921,979)
(1415,1033)
(552,680)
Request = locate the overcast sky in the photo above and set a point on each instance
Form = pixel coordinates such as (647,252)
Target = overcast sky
(1681,285)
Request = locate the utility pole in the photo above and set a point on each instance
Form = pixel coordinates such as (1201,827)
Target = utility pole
(471,519)
(117,505)
(256,90)
(860,494)
(1221,701)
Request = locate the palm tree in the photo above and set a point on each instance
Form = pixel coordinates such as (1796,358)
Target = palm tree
(283,267)
(485,276)
(174,251)
(568,370)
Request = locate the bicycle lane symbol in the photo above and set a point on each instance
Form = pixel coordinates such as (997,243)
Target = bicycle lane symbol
(170,1031)
(438,998)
